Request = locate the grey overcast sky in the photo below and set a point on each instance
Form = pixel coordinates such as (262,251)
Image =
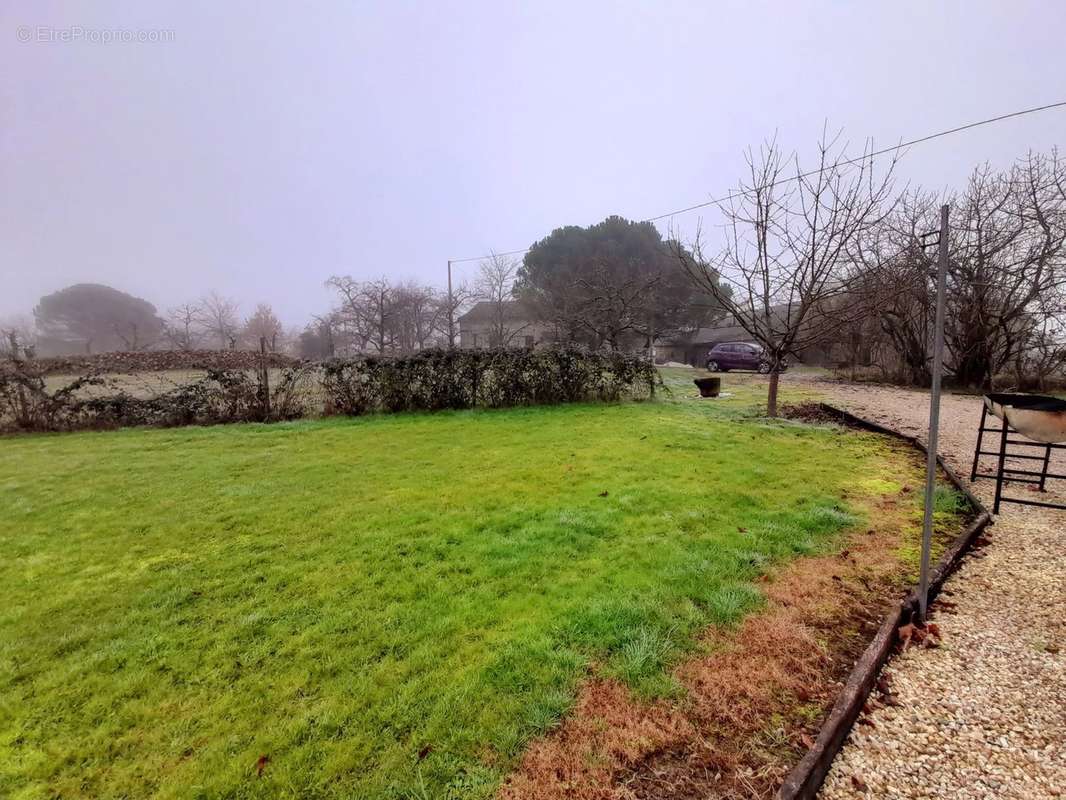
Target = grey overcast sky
(268,145)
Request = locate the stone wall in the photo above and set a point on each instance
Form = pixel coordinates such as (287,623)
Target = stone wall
(159,361)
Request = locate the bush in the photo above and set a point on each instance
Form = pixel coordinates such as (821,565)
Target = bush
(430,380)
(95,401)
(439,379)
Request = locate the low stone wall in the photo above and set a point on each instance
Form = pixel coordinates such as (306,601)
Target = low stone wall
(159,361)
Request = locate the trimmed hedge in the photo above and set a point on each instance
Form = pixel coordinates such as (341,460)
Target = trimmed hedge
(430,380)
(438,379)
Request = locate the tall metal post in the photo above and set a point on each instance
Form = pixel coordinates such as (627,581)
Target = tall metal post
(934,414)
(451,309)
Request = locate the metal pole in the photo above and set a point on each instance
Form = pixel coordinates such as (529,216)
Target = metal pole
(451,310)
(934,414)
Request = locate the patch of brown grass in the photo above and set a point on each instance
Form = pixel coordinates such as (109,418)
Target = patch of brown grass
(754,700)
(607,732)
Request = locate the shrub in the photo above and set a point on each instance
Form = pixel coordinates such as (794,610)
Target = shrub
(95,401)
(439,379)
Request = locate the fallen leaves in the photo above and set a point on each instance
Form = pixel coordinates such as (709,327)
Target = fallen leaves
(927,636)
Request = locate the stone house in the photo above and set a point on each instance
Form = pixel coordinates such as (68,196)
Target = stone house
(490,324)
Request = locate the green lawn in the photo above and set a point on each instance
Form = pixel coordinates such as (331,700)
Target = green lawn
(384,607)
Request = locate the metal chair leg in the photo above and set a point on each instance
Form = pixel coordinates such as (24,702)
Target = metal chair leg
(999,471)
(1043,472)
(980,440)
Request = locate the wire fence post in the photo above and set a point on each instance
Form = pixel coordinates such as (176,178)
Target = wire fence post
(264,378)
(934,415)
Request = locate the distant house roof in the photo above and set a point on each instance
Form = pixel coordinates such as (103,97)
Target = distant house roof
(486,311)
(726,330)
(723,333)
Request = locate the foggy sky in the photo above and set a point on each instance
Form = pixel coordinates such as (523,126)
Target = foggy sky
(269,145)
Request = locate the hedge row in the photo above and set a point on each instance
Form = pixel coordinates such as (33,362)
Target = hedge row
(428,381)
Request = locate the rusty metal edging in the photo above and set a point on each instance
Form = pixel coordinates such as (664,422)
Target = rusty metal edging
(806,778)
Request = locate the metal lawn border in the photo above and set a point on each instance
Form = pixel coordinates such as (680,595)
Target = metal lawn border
(807,776)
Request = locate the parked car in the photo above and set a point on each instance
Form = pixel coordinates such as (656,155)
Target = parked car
(738,355)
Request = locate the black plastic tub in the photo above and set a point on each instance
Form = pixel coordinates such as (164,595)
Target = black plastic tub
(709,387)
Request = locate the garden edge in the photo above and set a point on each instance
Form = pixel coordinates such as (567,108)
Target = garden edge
(806,778)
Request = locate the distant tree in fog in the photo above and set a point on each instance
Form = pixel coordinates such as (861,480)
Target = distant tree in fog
(387,318)
(183,327)
(316,341)
(421,317)
(217,317)
(94,317)
(18,335)
(263,324)
(369,309)
(615,284)
(493,285)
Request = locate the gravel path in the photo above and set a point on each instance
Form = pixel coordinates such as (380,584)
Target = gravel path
(984,714)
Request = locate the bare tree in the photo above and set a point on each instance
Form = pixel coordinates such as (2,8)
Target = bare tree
(788,232)
(218,318)
(18,336)
(495,280)
(317,339)
(1008,252)
(182,329)
(615,305)
(419,315)
(371,309)
(1006,273)
(382,317)
(1044,355)
(262,325)
(134,337)
(450,308)
(892,284)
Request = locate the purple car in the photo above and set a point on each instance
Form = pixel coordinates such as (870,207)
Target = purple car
(738,355)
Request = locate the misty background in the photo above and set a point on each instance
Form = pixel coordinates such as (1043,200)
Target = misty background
(266,147)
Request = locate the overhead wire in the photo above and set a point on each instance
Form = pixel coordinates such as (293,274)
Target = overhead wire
(793,178)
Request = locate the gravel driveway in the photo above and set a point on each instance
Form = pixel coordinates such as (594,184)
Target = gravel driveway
(983,715)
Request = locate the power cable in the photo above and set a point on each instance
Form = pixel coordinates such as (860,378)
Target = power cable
(801,176)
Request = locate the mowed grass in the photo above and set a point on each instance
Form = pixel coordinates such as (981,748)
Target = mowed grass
(383,607)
